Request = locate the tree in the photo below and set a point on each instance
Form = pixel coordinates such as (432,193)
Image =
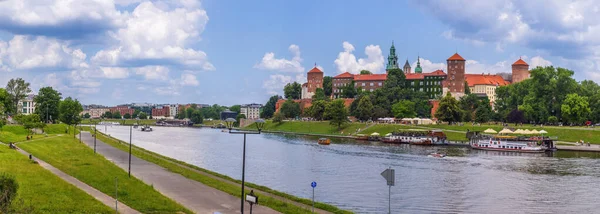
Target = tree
(317,109)
(468,104)
(575,108)
(278,117)
(448,110)
(364,110)
(117,115)
(319,95)
(69,110)
(365,72)
(87,116)
(379,112)
(337,113)
(404,109)
(516,116)
(236,108)
(46,103)
(467,89)
(238,119)
(17,90)
(349,90)
(269,108)
(197,117)
(292,91)
(189,112)
(290,109)
(127,116)
(107,115)
(328,85)
(483,113)
(8,192)
(135,113)
(552,120)
(142,115)
(30,122)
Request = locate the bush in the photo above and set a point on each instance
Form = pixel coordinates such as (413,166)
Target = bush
(552,119)
(8,191)
(278,117)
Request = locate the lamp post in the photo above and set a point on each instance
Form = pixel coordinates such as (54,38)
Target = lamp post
(259,125)
(95,133)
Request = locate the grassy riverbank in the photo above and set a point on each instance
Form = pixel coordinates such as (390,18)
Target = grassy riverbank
(79,161)
(121,121)
(40,191)
(280,202)
(312,127)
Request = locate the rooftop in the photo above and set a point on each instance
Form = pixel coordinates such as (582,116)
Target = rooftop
(370,77)
(315,70)
(456,57)
(520,62)
(485,79)
(344,75)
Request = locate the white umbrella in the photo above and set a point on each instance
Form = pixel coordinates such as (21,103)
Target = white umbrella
(505,131)
(519,131)
(526,131)
(543,132)
(388,134)
(375,134)
(490,131)
(535,131)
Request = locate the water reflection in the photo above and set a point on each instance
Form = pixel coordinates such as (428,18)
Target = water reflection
(470,181)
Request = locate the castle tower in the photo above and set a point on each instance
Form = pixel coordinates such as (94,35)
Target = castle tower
(314,79)
(456,74)
(520,71)
(406,68)
(392,59)
(418,69)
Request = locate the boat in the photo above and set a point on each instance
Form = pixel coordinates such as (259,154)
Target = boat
(361,137)
(146,128)
(510,143)
(437,155)
(324,141)
(417,137)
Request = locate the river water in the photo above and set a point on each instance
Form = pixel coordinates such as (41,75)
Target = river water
(347,172)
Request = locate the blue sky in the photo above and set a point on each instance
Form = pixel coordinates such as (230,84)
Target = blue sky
(235,52)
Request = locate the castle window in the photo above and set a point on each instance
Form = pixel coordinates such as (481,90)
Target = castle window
(379,83)
(371,84)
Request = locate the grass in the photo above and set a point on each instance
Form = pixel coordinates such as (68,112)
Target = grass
(311,127)
(123,122)
(79,161)
(40,191)
(190,172)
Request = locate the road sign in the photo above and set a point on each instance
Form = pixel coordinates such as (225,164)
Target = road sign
(389,175)
(313,184)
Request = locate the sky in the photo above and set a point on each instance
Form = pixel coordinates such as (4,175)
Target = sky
(236,52)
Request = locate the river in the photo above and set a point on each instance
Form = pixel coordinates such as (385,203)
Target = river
(347,172)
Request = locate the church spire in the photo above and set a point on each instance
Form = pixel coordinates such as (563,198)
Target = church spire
(418,69)
(392,58)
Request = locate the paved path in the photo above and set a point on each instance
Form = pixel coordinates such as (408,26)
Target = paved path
(191,194)
(100,196)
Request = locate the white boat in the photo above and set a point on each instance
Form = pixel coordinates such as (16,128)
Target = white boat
(508,143)
(437,155)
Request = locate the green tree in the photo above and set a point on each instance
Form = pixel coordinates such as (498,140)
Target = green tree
(337,113)
(142,115)
(135,114)
(5,102)
(17,90)
(553,119)
(236,108)
(516,116)
(364,110)
(448,110)
(467,88)
(189,112)
(575,108)
(483,113)
(8,191)
(87,116)
(107,115)
(127,116)
(365,72)
(69,110)
(278,117)
(196,116)
(46,103)
(238,119)
(349,90)
(468,104)
(319,95)
(290,109)
(317,109)
(30,121)
(117,115)
(404,109)
(379,112)
(292,91)
(328,85)
(269,108)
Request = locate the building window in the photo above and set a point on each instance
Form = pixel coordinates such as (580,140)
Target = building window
(371,90)
(412,83)
(363,84)
(363,89)
(371,84)
(380,84)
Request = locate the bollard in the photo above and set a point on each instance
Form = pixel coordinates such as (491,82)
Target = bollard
(30,157)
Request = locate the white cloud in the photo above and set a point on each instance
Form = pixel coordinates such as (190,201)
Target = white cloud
(347,62)
(172,31)
(269,62)
(114,72)
(539,61)
(428,66)
(23,52)
(274,85)
(188,80)
(153,72)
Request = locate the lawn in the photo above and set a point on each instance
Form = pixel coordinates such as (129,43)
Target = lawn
(17,133)
(79,161)
(211,180)
(312,127)
(40,191)
(121,121)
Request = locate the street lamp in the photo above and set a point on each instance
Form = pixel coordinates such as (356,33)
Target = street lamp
(259,125)
(95,133)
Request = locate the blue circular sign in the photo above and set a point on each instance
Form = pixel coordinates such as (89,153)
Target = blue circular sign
(313,184)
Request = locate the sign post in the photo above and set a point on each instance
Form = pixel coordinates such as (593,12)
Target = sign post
(313,185)
(389,175)
(252,199)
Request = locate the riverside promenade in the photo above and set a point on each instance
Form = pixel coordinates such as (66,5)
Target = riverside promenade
(189,193)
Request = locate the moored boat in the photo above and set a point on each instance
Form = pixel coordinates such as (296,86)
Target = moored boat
(361,137)
(324,141)
(437,155)
(510,143)
(417,137)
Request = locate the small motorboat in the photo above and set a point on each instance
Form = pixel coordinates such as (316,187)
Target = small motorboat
(324,141)
(437,155)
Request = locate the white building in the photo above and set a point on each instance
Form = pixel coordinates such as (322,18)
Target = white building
(251,111)
(173,110)
(27,105)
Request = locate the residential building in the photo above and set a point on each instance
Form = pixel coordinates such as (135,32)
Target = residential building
(520,71)
(456,75)
(95,112)
(251,111)
(173,110)
(122,110)
(314,81)
(161,112)
(27,105)
(485,84)
(369,82)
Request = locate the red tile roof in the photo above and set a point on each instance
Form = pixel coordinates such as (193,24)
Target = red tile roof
(485,79)
(315,70)
(370,77)
(414,76)
(520,62)
(344,76)
(435,73)
(456,57)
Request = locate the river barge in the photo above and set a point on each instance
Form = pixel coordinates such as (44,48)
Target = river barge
(511,143)
(417,137)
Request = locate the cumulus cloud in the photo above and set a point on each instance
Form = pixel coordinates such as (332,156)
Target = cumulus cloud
(171,31)
(539,61)
(274,85)
(347,62)
(188,80)
(153,72)
(269,62)
(23,52)
(114,72)
(428,66)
